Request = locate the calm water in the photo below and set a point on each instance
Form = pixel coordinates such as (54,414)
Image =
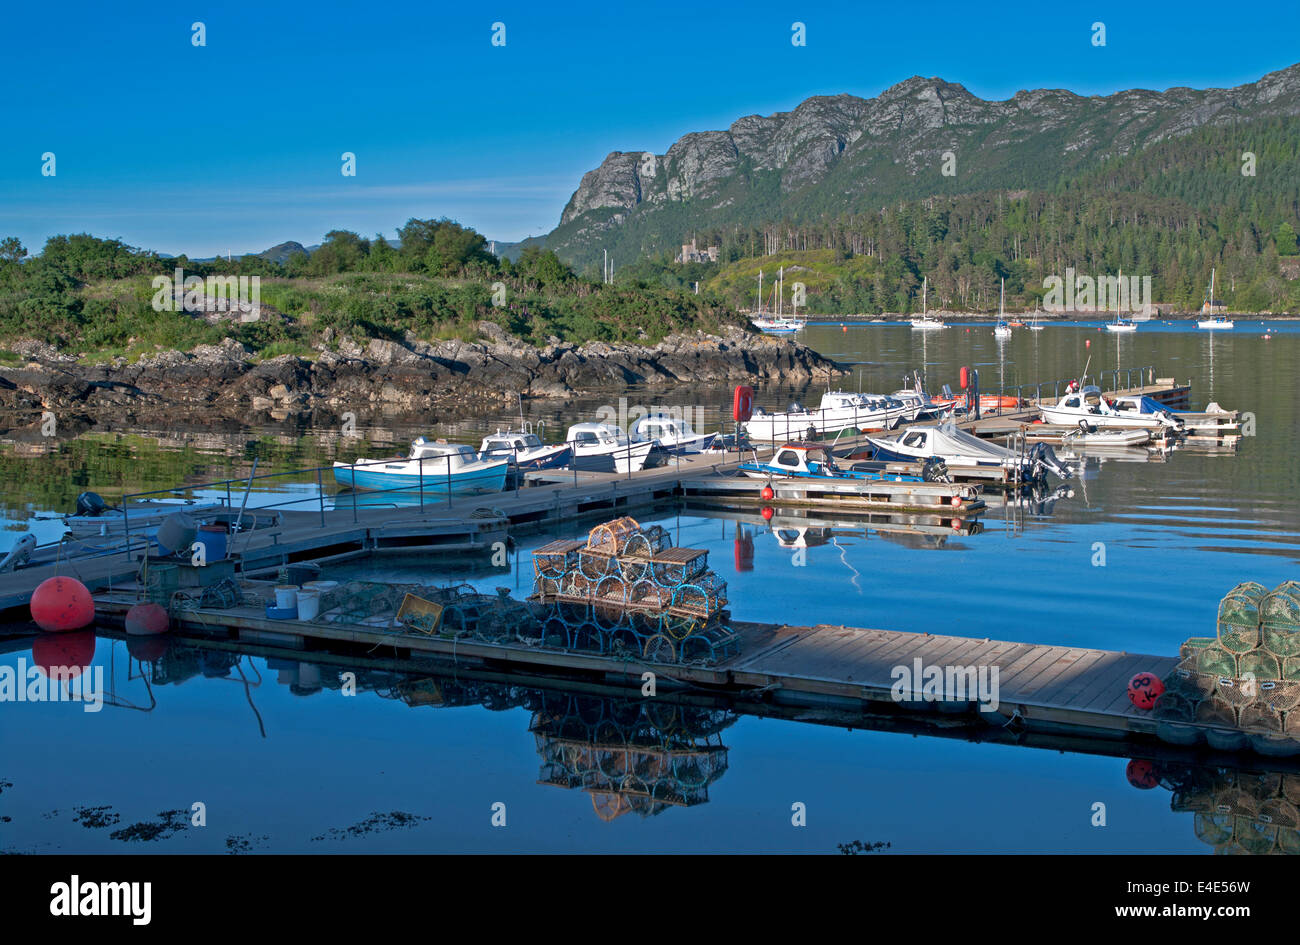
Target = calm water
(284,762)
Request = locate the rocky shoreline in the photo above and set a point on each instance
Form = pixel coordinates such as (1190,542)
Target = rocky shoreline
(391,377)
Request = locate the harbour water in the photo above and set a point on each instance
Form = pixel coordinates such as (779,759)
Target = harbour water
(1135,559)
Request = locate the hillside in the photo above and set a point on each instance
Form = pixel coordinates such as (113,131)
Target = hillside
(843,155)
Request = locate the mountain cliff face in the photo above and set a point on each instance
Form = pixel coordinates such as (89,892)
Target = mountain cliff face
(841,153)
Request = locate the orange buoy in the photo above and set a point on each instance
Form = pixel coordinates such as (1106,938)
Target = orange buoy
(62,603)
(766,513)
(147,620)
(1087,342)
(68,653)
(844,328)
(768,493)
(1144,689)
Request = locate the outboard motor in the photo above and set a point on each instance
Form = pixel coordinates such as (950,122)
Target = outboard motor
(934,469)
(1043,458)
(20,553)
(1086,427)
(91,504)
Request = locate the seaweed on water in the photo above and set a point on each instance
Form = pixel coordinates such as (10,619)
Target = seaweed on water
(854,847)
(95,818)
(373,824)
(170,822)
(236,844)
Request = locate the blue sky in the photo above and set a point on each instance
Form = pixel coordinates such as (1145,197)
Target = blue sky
(236,146)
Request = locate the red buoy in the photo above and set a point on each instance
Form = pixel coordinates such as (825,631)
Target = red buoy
(768,493)
(956,501)
(147,620)
(1142,774)
(766,513)
(67,653)
(62,603)
(965,378)
(148,649)
(1087,342)
(1144,689)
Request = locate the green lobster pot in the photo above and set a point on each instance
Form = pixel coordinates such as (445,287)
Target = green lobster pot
(1260,664)
(1254,836)
(1279,616)
(1288,841)
(1192,647)
(1213,829)
(1238,627)
(1217,661)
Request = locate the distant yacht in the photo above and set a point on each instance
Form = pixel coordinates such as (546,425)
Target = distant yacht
(1215,321)
(926,322)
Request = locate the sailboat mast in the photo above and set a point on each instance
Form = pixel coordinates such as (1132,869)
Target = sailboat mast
(760,292)
(925,284)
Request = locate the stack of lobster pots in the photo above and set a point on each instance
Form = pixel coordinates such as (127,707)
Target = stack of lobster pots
(627,591)
(1242,685)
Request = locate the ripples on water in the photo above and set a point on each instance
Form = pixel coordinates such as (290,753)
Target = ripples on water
(1176,533)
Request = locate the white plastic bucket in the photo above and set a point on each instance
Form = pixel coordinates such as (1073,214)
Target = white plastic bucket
(320,586)
(308,604)
(286,596)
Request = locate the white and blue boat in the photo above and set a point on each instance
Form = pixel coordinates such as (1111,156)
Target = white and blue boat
(673,434)
(437,468)
(813,461)
(525,450)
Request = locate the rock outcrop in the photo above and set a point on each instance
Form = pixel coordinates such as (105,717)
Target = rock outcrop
(395,377)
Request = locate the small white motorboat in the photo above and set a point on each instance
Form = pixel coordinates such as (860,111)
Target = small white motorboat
(525,450)
(438,468)
(956,447)
(1092,405)
(673,434)
(603,447)
(839,411)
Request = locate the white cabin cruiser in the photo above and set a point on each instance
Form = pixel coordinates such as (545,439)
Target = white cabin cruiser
(603,447)
(1121,411)
(673,434)
(525,450)
(839,411)
(956,447)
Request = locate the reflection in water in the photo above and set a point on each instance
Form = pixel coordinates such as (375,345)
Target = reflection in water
(1234,810)
(649,755)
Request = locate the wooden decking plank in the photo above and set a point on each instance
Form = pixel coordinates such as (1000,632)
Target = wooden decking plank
(1032,689)
(1065,688)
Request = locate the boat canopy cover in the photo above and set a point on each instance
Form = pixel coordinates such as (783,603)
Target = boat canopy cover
(948,440)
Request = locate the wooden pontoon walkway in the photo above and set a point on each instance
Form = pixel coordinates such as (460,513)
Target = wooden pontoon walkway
(1044,687)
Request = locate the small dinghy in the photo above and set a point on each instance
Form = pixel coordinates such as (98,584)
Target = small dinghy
(1094,437)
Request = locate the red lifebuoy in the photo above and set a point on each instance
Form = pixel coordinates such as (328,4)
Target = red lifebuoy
(742,404)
